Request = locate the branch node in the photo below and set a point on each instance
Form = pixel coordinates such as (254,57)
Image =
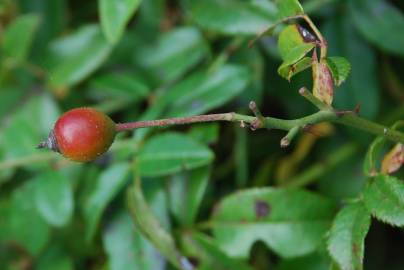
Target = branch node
(259,122)
(255,124)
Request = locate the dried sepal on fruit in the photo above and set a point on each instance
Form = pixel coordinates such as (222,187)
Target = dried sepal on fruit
(393,160)
(323,84)
(81,134)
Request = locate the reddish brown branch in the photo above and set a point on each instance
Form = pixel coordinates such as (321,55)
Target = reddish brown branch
(176,121)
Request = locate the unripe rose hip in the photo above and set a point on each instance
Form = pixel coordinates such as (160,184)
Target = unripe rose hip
(81,134)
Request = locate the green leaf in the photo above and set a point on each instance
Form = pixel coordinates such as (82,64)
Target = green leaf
(170,153)
(297,54)
(347,236)
(384,197)
(186,190)
(126,247)
(232,17)
(115,15)
(362,87)
(204,91)
(206,133)
(289,8)
(26,225)
(118,86)
(54,258)
(110,182)
(291,222)
(54,198)
(287,71)
(73,58)
(22,134)
(293,49)
(289,39)
(313,261)
(18,36)
(340,68)
(151,228)
(380,23)
(208,254)
(173,54)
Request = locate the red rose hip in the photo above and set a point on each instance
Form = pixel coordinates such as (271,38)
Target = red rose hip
(81,134)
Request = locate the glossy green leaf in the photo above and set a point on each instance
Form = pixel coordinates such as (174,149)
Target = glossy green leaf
(347,236)
(232,16)
(54,198)
(118,86)
(109,183)
(22,134)
(204,91)
(126,247)
(384,197)
(73,58)
(186,190)
(172,54)
(379,22)
(340,68)
(115,15)
(289,8)
(170,153)
(287,71)
(291,222)
(208,255)
(27,227)
(362,86)
(18,36)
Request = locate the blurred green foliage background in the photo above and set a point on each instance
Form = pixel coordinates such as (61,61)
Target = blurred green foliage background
(153,59)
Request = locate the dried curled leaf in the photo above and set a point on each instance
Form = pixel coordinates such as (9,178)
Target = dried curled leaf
(323,85)
(393,160)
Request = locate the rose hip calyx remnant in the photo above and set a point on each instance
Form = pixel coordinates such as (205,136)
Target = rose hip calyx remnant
(81,134)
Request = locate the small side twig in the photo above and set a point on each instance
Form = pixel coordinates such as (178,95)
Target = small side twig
(259,122)
(285,142)
(312,99)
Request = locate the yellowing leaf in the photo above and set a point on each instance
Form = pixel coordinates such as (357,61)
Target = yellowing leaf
(323,85)
(393,161)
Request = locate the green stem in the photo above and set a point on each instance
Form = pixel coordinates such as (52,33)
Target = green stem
(357,122)
(323,41)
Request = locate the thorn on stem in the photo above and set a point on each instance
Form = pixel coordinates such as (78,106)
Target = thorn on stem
(355,111)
